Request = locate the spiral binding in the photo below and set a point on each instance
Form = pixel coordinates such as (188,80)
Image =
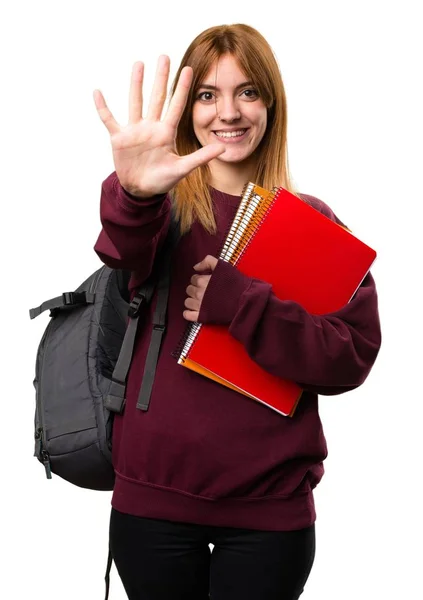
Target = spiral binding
(189,339)
(254,207)
(245,226)
(245,199)
(263,211)
(191,332)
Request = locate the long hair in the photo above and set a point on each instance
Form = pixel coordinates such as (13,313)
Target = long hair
(191,196)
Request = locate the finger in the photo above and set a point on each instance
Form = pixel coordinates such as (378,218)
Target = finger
(179,98)
(200,281)
(104,113)
(193,292)
(135,93)
(208,263)
(158,94)
(192,304)
(200,157)
(191,315)
(202,266)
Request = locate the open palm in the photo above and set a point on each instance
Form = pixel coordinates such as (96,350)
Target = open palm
(144,151)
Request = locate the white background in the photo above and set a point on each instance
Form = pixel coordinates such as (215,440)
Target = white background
(353,82)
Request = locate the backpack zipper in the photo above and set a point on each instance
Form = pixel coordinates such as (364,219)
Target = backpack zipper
(42,453)
(40,450)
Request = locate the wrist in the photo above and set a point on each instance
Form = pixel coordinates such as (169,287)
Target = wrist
(129,201)
(222,297)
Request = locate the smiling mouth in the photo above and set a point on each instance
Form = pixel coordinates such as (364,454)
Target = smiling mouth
(230,134)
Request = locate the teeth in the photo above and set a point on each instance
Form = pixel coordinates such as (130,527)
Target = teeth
(228,134)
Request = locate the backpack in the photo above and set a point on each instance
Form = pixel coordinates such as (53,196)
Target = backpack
(81,367)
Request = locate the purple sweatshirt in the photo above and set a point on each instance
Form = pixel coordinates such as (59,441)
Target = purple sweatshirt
(203,453)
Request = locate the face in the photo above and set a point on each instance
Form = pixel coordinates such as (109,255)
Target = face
(228,109)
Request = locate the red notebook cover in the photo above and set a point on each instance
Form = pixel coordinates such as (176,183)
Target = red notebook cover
(307,258)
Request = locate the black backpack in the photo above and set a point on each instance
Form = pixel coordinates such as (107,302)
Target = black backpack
(81,368)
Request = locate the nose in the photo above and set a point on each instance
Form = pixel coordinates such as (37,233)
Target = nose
(227,109)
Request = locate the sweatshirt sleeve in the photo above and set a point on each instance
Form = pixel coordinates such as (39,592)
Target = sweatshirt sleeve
(133,229)
(326,354)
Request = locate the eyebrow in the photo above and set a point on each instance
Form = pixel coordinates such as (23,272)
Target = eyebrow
(206,86)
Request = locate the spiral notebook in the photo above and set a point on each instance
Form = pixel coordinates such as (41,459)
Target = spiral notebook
(306,257)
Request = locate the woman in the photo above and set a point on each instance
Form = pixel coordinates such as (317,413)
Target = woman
(204,465)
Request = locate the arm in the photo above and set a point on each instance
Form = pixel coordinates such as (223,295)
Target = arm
(148,166)
(327,354)
(133,229)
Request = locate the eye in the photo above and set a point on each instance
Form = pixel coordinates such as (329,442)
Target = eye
(205,96)
(250,93)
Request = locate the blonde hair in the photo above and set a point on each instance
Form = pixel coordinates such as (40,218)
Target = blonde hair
(191,196)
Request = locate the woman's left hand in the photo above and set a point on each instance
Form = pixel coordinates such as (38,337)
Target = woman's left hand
(197,288)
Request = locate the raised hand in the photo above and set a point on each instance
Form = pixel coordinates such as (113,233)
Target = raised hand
(144,151)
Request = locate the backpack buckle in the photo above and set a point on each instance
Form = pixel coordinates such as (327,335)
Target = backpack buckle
(72,298)
(115,400)
(135,305)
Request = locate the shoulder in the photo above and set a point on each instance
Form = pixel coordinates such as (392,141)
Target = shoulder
(321,207)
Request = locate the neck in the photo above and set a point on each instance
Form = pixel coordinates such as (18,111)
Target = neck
(230,178)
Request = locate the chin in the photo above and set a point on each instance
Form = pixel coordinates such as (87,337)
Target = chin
(238,157)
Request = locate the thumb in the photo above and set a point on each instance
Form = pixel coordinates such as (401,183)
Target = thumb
(201,157)
(207,264)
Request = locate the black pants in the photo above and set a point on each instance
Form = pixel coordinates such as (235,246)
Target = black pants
(165,560)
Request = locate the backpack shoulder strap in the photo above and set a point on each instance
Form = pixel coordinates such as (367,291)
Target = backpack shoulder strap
(159,321)
(115,401)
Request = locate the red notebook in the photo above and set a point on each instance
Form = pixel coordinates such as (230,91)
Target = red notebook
(306,257)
